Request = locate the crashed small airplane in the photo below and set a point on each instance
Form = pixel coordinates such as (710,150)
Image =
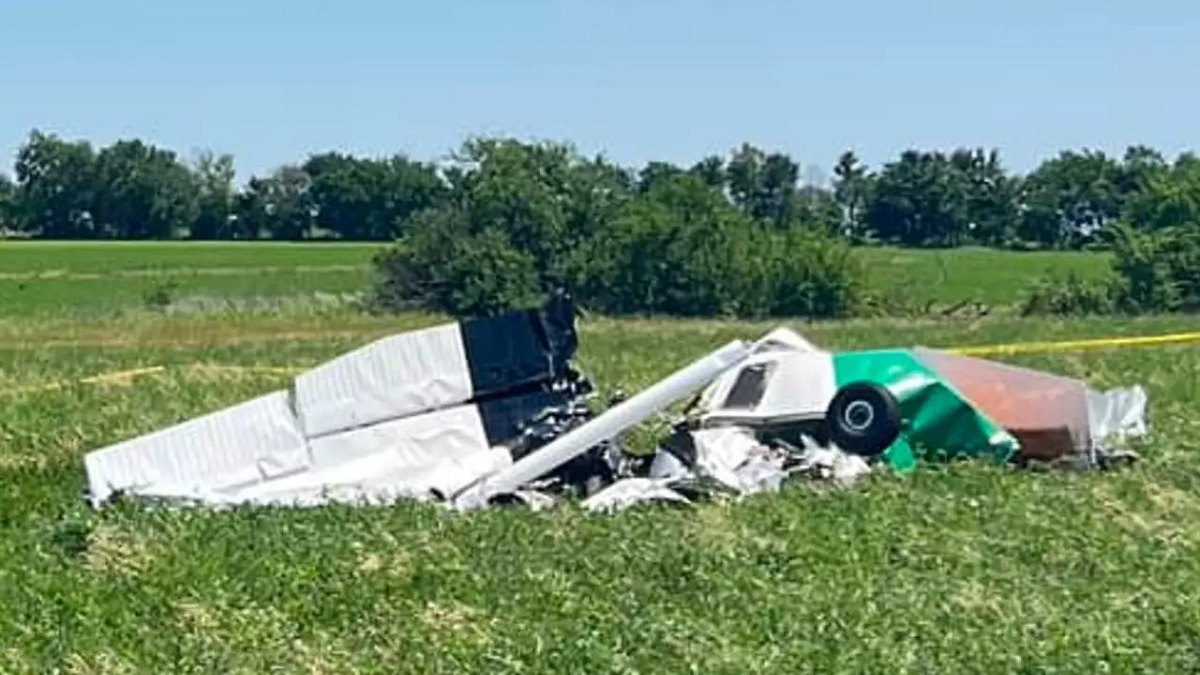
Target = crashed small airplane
(492,410)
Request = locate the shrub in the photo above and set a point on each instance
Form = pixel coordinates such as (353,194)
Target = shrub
(1072,295)
(445,267)
(678,248)
(806,273)
(503,239)
(682,250)
(1157,271)
(1160,270)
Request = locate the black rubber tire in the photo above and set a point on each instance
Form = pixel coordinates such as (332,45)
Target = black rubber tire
(863,418)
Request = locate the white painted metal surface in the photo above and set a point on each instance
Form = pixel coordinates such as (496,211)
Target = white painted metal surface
(244,444)
(394,377)
(798,382)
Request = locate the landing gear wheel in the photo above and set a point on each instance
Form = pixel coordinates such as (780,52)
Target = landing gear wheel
(863,418)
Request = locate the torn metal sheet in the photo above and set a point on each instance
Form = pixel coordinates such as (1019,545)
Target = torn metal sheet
(492,412)
(1052,416)
(256,440)
(1117,414)
(931,415)
(423,370)
(700,465)
(381,478)
(632,491)
(899,403)
(375,419)
(1047,413)
(608,425)
(830,464)
(733,456)
(394,377)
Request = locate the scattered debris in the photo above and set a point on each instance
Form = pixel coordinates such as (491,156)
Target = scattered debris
(491,411)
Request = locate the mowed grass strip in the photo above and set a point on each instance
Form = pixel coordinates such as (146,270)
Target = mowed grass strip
(81,279)
(81,298)
(180,257)
(965,568)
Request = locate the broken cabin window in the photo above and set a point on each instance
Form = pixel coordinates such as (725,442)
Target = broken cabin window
(750,386)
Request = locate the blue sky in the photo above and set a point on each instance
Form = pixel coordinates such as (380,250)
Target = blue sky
(271,81)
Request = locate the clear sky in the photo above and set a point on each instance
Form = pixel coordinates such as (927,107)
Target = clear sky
(271,81)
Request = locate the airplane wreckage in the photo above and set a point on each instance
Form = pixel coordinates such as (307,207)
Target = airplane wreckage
(492,410)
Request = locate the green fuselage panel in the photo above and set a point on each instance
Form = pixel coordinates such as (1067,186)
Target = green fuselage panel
(936,418)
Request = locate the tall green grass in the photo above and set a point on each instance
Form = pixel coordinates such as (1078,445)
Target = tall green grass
(964,568)
(983,275)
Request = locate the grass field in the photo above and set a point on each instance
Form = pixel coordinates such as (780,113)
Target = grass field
(997,278)
(967,568)
(56,278)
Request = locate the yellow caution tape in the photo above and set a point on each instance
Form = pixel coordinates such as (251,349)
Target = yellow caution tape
(114,376)
(1076,345)
(981,350)
(270,370)
(128,375)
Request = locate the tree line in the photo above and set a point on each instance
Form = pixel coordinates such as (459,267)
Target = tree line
(502,221)
(69,189)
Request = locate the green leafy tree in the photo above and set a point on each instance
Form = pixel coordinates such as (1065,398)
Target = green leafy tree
(816,208)
(851,190)
(543,196)
(143,192)
(8,203)
(279,206)
(683,249)
(712,171)
(1070,199)
(370,199)
(1140,166)
(1166,196)
(993,208)
(216,207)
(1160,269)
(920,199)
(803,273)
(656,174)
(527,219)
(56,182)
(763,185)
